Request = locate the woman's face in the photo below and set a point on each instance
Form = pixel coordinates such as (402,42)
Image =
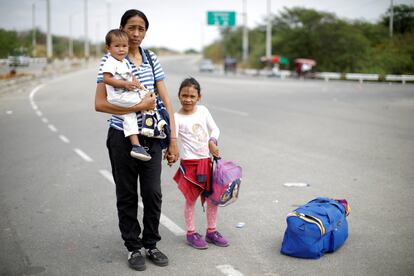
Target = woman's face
(135,28)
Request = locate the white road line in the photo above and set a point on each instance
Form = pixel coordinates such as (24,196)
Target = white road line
(39,113)
(229,270)
(64,139)
(52,127)
(232,111)
(168,223)
(107,175)
(45,120)
(9,112)
(83,155)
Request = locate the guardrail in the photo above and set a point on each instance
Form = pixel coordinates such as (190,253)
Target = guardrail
(361,77)
(401,78)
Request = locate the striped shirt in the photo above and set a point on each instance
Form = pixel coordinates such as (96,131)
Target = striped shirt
(144,74)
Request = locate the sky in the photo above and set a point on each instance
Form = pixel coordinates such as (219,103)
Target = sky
(175,24)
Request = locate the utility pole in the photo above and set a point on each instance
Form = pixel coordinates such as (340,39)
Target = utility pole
(108,14)
(86,30)
(70,38)
(268,34)
(391,17)
(34,29)
(245,34)
(49,34)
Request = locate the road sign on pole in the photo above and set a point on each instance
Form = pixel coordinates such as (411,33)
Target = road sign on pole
(221,18)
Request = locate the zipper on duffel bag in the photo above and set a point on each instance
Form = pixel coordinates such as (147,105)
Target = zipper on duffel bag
(310,219)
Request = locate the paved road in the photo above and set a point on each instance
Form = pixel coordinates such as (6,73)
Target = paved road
(57,201)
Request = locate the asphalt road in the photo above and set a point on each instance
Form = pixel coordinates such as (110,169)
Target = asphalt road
(347,140)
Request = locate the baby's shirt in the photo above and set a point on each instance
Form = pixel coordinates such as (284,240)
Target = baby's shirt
(120,70)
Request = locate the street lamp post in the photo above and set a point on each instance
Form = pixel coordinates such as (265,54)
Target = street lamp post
(34,29)
(391,17)
(86,30)
(268,35)
(245,34)
(70,37)
(49,34)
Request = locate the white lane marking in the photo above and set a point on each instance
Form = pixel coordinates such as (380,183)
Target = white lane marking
(83,155)
(232,111)
(229,270)
(33,93)
(52,127)
(107,175)
(45,120)
(64,139)
(168,223)
(9,112)
(39,113)
(296,184)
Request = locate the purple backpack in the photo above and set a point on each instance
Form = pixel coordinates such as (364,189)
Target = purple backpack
(226,182)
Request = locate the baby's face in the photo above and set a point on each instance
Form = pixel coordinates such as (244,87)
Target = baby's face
(119,47)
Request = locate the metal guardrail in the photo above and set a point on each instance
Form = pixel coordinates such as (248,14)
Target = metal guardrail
(361,77)
(401,78)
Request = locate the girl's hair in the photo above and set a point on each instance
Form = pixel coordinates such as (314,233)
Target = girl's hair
(131,13)
(115,33)
(190,82)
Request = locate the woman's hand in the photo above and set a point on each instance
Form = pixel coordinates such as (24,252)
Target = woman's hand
(147,103)
(214,150)
(172,154)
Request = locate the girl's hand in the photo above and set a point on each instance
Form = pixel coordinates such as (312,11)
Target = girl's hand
(172,154)
(214,150)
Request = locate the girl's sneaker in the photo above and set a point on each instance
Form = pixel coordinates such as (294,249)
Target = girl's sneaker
(216,238)
(196,241)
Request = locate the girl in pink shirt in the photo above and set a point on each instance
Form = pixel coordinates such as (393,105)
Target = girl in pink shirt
(197,135)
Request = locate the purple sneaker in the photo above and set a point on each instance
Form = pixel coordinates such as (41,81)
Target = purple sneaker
(196,241)
(216,238)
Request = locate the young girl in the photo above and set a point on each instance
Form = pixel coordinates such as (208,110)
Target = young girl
(193,124)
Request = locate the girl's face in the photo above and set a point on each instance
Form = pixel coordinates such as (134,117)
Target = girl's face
(118,47)
(135,28)
(189,98)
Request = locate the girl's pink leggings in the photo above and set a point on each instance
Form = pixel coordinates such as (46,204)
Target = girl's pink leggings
(189,215)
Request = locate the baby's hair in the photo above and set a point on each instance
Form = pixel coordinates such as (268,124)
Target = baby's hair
(190,81)
(114,33)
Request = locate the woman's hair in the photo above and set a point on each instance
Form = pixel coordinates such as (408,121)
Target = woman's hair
(131,13)
(190,82)
(115,33)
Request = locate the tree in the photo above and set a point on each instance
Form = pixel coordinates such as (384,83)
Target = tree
(403,18)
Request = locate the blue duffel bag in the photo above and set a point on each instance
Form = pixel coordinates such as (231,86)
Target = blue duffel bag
(318,227)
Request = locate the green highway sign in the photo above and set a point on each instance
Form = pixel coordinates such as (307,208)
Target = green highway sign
(221,18)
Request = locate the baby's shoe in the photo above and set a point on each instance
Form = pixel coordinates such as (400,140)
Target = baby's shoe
(196,241)
(140,153)
(217,239)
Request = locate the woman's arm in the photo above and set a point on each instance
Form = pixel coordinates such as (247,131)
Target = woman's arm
(172,151)
(102,104)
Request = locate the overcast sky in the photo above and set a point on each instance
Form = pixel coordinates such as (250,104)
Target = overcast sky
(176,24)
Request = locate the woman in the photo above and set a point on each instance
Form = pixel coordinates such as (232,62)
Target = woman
(125,169)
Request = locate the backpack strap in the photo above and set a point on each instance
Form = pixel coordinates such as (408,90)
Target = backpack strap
(152,65)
